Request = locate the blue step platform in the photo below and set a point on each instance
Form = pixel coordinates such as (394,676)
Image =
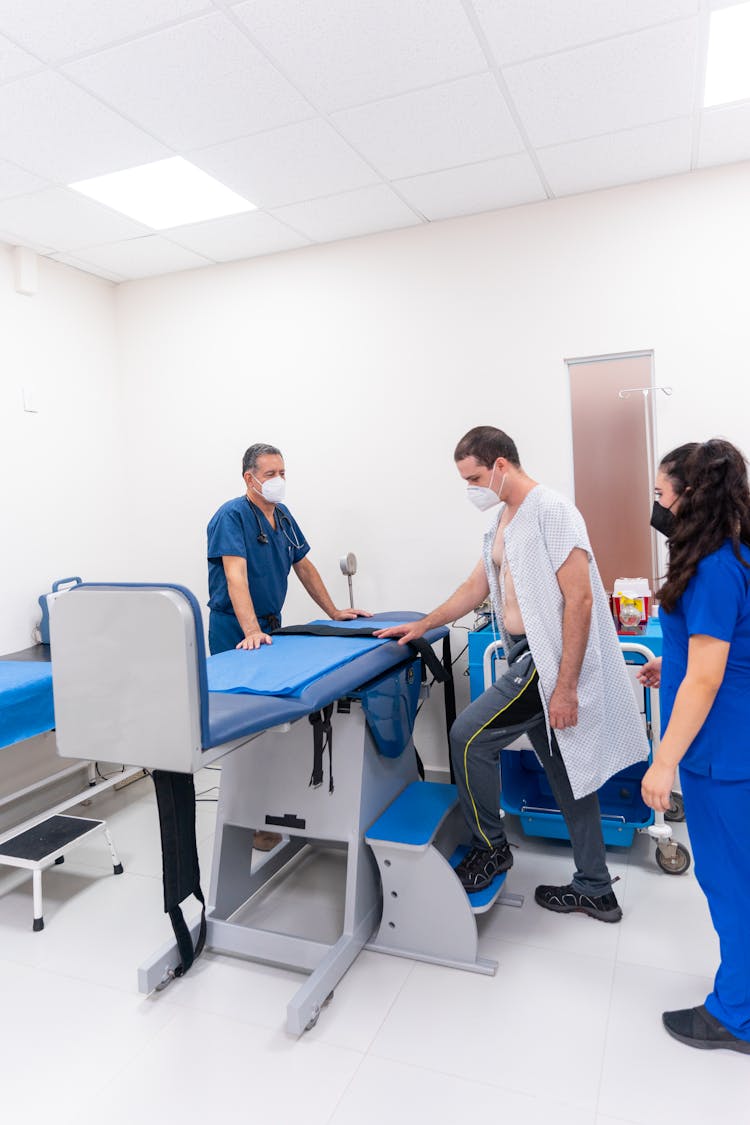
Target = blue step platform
(427,915)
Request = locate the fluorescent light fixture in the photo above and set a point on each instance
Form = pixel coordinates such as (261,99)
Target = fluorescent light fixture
(167,193)
(728,69)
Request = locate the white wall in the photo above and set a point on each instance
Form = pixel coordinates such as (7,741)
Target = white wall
(365,361)
(58,501)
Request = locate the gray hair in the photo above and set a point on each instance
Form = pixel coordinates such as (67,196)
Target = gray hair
(260,449)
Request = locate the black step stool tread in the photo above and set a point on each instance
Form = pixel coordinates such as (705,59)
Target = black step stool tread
(47,837)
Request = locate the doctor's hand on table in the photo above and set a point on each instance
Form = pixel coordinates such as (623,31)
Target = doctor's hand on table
(255,640)
(349,614)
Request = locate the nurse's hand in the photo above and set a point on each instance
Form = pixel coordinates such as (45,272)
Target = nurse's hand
(649,674)
(349,614)
(657,786)
(255,640)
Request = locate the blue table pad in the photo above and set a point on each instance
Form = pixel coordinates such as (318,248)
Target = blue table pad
(288,665)
(26,706)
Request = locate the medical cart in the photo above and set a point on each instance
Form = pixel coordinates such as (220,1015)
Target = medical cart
(525,791)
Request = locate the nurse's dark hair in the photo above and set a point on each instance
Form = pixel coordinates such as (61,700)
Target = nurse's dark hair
(250,460)
(711,481)
(486,444)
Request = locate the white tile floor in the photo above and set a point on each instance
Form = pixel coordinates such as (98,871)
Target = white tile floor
(567,1032)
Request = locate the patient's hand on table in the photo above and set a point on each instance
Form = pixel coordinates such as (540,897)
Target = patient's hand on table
(649,674)
(405,633)
(255,640)
(349,614)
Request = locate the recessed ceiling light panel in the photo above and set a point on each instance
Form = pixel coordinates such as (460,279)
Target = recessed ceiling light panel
(166,193)
(728,69)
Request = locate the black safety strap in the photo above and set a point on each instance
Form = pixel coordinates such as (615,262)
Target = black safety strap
(175,797)
(450,699)
(322,739)
(419,645)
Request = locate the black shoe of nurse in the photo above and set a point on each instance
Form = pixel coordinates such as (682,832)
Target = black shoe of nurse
(698,1028)
(565,900)
(480,866)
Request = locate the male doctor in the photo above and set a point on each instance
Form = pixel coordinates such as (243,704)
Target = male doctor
(253,543)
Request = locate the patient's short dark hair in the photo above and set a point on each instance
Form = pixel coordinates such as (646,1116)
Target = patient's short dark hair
(486,444)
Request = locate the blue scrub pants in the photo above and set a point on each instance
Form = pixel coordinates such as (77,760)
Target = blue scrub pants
(718,817)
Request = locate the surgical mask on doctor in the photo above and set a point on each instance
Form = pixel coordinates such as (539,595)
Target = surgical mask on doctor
(272,490)
(662,519)
(485,498)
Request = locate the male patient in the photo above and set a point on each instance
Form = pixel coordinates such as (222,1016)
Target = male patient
(566,683)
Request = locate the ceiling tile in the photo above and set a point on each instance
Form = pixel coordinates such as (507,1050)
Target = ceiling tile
(286,165)
(619,158)
(238,236)
(14,62)
(725,135)
(473,188)
(635,80)
(345,216)
(87,267)
(52,128)
(16,181)
(460,122)
(193,85)
(142,257)
(518,29)
(56,31)
(346,52)
(63,220)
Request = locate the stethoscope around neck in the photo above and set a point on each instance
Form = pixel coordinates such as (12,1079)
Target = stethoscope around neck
(282,517)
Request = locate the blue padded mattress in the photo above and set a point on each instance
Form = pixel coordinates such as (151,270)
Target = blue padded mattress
(26,705)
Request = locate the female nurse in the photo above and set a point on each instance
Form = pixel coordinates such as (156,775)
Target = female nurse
(703,508)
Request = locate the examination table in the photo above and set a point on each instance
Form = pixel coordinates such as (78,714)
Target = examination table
(315,737)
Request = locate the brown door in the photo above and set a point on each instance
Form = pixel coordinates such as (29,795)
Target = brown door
(612,443)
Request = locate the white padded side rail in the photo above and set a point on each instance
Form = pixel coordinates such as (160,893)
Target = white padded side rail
(125,677)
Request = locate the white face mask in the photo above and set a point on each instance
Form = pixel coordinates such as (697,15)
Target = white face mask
(272,490)
(485,498)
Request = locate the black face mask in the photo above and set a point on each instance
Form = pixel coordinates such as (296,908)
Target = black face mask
(662,519)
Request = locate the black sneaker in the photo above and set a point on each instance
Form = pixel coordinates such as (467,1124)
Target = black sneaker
(698,1028)
(565,900)
(480,866)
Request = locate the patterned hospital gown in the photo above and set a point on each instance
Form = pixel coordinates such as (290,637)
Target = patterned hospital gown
(610,733)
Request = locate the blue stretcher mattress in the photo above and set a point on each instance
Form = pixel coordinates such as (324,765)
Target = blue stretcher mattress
(231,714)
(26,706)
(290,664)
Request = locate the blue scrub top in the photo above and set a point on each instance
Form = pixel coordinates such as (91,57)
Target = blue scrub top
(234,530)
(716,603)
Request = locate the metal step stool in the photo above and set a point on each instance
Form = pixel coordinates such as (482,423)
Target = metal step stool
(44,845)
(427,915)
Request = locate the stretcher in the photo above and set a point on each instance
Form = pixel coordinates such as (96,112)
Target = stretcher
(315,738)
(525,791)
(42,841)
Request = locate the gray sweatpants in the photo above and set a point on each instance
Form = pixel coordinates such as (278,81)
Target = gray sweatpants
(511,707)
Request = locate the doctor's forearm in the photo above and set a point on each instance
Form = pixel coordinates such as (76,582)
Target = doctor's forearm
(313,583)
(243,607)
